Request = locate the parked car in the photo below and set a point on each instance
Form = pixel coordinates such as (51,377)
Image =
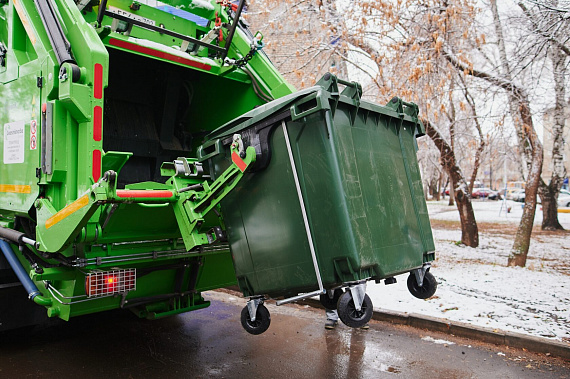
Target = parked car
(513,193)
(518,195)
(495,195)
(484,192)
(564,198)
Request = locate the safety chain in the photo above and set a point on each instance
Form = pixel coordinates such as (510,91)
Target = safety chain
(239,63)
(256,44)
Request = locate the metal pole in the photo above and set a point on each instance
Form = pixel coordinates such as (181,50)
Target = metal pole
(303,211)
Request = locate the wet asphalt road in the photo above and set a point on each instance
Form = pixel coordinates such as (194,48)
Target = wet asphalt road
(211,343)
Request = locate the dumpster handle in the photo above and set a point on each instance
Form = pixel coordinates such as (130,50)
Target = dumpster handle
(302,203)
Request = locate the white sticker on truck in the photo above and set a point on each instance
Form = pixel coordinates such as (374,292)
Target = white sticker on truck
(14,133)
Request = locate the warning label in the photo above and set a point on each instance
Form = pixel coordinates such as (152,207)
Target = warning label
(33,137)
(14,142)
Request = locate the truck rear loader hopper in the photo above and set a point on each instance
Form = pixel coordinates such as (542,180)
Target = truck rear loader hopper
(101,102)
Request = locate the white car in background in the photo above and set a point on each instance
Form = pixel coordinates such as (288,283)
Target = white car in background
(518,195)
(564,198)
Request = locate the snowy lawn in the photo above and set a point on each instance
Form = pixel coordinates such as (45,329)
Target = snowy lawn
(475,286)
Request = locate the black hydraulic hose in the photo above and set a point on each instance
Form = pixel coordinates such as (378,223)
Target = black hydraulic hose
(102,7)
(33,292)
(256,88)
(59,43)
(37,262)
(12,235)
(16,237)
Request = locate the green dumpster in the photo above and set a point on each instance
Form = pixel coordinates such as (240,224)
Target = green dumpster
(334,199)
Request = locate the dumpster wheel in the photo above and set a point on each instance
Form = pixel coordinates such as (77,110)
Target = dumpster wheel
(348,313)
(331,302)
(261,323)
(427,288)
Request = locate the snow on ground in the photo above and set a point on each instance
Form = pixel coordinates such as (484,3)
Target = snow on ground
(476,287)
(491,211)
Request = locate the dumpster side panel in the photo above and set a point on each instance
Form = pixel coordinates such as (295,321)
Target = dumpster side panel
(409,148)
(327,204)
(391,216)
(265,228)
(382,228)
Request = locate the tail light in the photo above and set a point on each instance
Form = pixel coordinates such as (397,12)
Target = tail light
(103,283)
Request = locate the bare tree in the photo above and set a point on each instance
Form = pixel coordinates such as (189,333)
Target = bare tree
(471,102)
(397,49)
(550,26)
(530,145)
(528,140)
(469,229)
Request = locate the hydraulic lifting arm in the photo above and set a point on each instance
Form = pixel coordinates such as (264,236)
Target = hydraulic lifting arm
(191,197)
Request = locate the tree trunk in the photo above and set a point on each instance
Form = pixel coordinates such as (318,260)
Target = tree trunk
(549,193)
(481,147)
(469,229)
(521,244)
(452,180)
(549,209)
(451,192)
(476,165)
(439,180)
(530,147)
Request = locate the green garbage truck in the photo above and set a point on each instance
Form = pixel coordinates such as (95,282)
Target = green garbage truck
(151,151)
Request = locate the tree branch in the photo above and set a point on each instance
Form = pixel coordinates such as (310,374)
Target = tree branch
(500,82)
(543,33)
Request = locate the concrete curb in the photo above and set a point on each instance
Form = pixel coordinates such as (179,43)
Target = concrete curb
(460,329)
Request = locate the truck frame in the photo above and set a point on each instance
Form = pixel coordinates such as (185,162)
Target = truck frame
(102,104)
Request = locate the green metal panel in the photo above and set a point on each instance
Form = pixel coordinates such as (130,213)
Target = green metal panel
(19,144)
(78,217)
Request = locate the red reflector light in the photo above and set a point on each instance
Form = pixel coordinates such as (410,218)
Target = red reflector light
(97,123)
(96,169)
(104,283)
(98,81)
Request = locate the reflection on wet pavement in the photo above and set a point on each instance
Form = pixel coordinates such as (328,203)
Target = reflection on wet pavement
(210,343)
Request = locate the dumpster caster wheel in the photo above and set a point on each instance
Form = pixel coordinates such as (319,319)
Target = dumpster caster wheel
(427,289)
(348,313)
(261,323)
(328,302)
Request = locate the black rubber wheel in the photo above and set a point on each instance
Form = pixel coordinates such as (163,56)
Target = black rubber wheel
(348,313)
(426,290)
(261,323)
(329,303)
